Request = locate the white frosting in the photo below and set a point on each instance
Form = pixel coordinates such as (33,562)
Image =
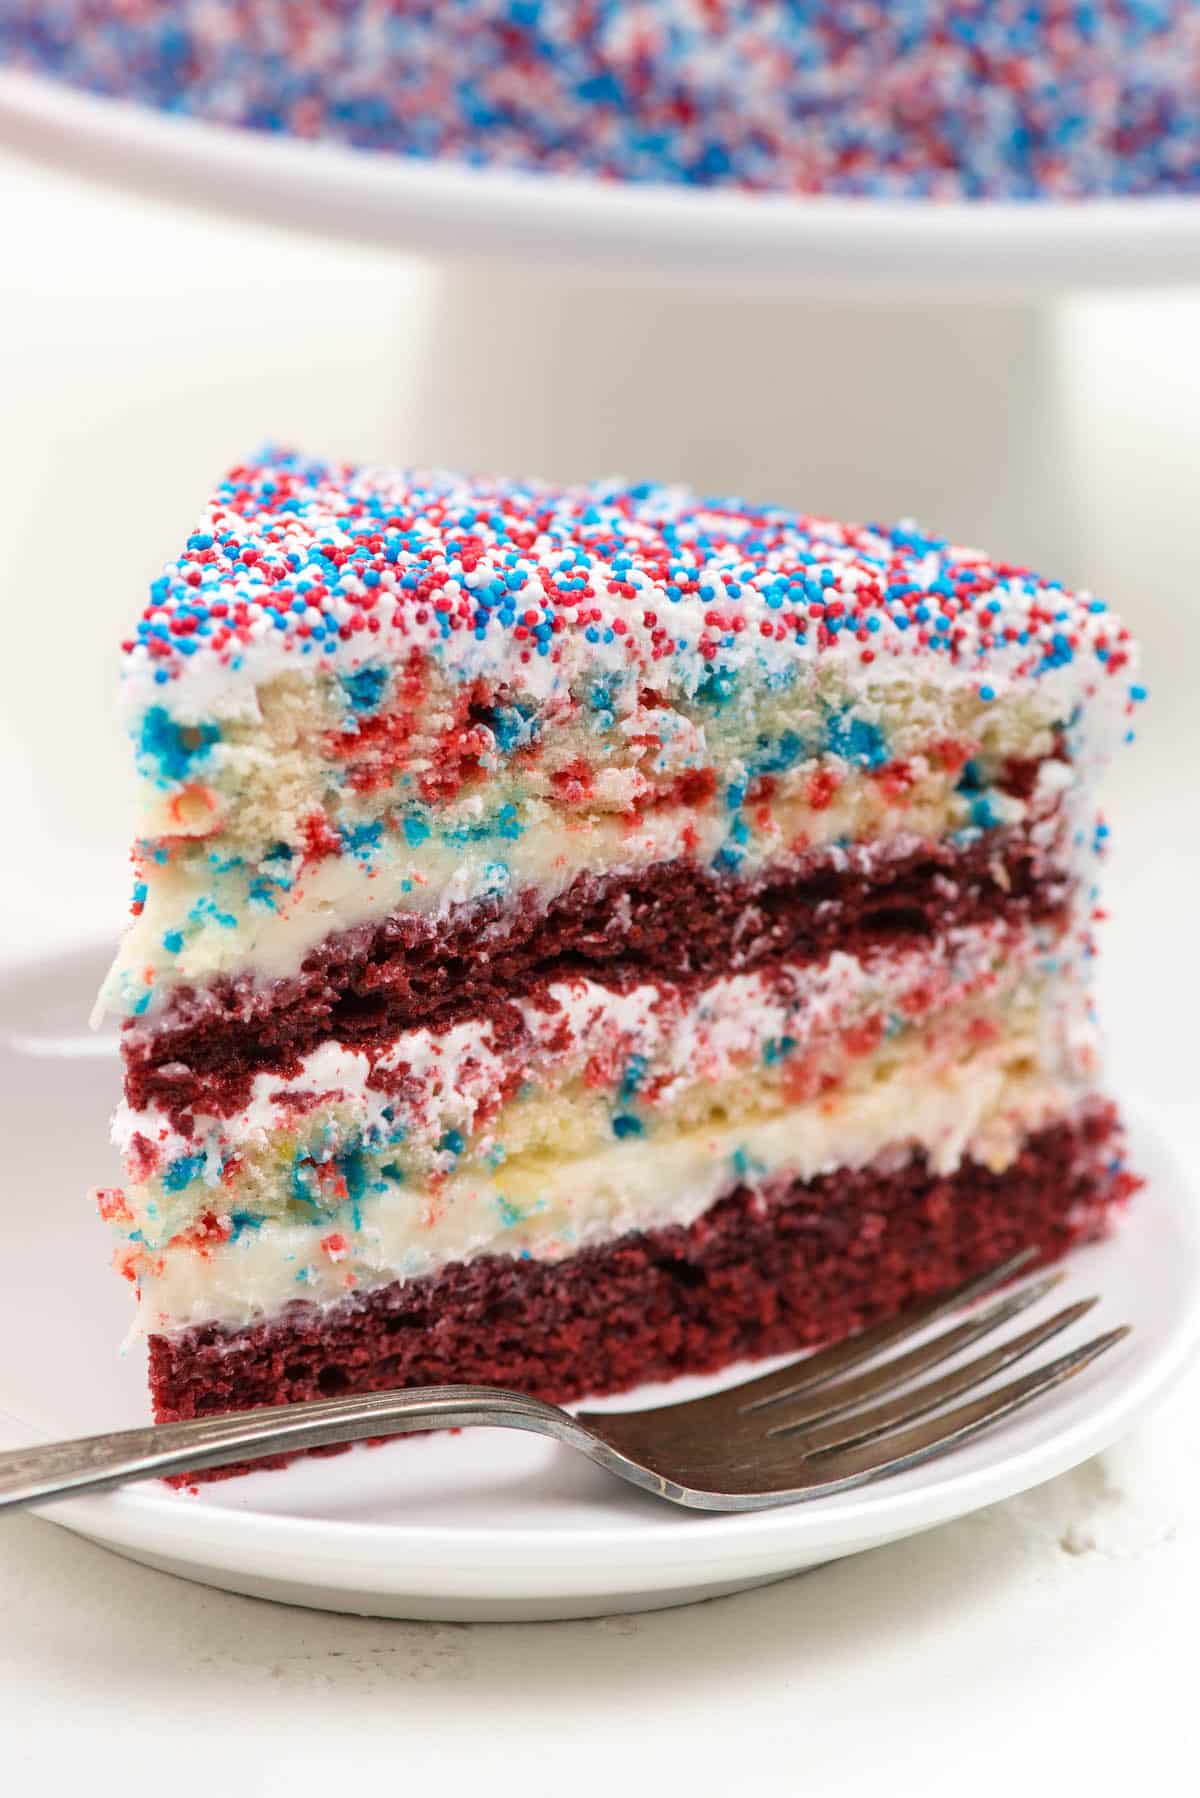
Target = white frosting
(727,563)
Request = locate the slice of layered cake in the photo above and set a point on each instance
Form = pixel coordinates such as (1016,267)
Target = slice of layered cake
(584,935)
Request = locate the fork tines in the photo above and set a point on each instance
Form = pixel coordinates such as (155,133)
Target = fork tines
(837,1426)
(861,1408)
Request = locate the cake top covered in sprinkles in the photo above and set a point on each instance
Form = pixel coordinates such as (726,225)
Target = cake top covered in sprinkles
(301,563)
(958,99)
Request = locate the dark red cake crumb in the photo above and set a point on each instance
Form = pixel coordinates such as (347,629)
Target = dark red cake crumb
(675,921)
(764,1272)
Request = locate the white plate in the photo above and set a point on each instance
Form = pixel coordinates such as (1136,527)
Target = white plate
(485,1525)
(875,248)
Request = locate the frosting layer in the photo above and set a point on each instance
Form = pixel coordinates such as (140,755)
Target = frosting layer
(348,568)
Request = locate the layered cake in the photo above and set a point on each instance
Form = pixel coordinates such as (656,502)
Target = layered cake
(586,935)
(958,99)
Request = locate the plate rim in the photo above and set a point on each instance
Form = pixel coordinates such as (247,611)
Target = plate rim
(661,231)
(248,1538)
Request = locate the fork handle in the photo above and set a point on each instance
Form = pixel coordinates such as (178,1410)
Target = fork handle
(50,1470)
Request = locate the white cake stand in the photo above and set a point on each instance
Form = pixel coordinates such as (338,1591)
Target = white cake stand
(865,248)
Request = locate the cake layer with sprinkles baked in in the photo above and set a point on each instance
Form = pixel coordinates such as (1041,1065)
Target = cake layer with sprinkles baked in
(941,99)
(538,877)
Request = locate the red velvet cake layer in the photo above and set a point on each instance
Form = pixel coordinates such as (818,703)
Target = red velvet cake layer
(674,921)
(764,1272)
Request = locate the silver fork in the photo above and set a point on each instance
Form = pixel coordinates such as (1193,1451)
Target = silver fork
(806,1430)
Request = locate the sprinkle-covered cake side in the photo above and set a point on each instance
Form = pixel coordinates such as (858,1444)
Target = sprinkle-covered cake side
(1003,99)
(299,560)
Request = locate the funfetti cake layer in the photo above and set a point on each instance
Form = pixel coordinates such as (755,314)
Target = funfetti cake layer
(525,873)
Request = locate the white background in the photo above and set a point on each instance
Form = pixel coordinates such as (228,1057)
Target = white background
(1047,1644)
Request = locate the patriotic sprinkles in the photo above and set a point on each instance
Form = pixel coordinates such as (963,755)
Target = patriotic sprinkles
(297,563)
(942,99)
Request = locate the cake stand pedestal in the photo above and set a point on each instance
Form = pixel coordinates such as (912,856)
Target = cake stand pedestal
(953,414)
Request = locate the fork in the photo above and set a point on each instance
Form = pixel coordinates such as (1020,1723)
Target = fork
(804,1431)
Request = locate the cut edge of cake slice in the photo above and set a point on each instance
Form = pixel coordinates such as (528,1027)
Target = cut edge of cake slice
(550,893)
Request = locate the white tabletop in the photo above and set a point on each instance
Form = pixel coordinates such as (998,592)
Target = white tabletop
(1044,1644)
